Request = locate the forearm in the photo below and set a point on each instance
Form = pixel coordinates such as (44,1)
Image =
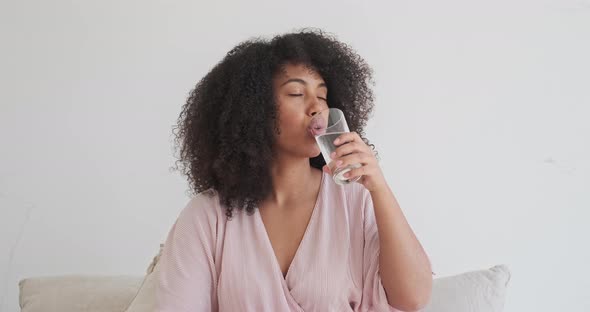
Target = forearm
(404,267)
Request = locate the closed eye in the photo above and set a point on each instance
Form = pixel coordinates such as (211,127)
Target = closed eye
(321,98)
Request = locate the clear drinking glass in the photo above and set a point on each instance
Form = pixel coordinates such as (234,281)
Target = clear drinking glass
(326,126)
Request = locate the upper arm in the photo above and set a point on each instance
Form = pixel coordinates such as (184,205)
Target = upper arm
(186,273)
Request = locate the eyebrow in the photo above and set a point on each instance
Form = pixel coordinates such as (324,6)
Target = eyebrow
(301,81)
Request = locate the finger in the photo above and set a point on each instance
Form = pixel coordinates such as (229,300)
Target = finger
(333,165)
(349,148)
(355,158)
(326,169)
(357,172)
(345,138)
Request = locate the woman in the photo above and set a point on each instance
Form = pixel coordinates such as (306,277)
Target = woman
(268,230)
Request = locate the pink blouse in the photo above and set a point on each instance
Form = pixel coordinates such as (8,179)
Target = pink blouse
(210,263)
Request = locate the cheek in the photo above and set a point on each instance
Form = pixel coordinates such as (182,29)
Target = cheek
(287,127)
(289,120)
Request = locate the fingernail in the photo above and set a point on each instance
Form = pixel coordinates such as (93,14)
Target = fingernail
(336,141)
(339,163)
(333,155)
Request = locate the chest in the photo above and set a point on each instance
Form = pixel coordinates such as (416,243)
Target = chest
(319,251)
(286,230)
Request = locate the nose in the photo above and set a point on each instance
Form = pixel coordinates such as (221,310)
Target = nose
(315,108)
(316,112)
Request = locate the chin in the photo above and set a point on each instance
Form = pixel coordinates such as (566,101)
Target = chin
(310,151)
(315,153)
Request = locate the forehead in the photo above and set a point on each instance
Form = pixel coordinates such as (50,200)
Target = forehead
(289,71)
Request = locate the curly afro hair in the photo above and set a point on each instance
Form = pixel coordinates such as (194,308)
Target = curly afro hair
(227,127)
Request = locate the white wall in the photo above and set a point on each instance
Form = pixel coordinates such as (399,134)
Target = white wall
(481,123)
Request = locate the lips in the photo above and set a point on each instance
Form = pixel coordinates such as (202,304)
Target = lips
(317,126)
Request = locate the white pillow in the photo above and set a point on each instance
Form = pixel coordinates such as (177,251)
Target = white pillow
(476,291)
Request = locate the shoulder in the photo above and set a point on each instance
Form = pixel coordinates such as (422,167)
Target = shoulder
(203,209)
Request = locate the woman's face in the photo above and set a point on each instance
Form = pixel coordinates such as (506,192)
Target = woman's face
(300,92)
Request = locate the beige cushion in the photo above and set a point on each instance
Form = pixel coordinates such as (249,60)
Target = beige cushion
(77,293)
(145,300)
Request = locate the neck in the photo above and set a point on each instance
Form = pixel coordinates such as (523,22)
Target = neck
(294,180)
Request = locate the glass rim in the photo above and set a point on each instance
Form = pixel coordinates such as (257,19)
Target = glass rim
(340,118)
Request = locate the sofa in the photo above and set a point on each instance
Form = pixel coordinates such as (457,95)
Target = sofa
(475,291)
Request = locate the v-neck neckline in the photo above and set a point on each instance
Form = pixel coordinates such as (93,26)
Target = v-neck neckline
(303,239)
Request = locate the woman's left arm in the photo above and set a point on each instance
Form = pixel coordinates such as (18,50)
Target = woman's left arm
(404,267)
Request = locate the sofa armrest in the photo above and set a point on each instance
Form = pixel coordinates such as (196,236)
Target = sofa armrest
(78,293)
